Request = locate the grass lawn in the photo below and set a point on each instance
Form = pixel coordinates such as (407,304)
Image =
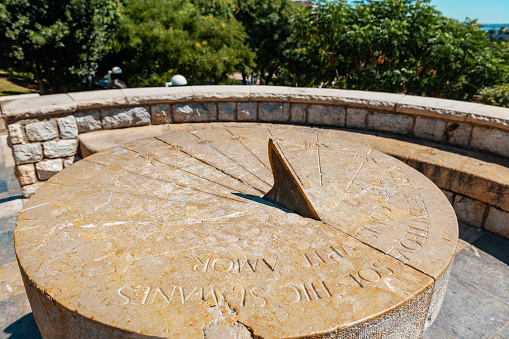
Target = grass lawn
(18,85)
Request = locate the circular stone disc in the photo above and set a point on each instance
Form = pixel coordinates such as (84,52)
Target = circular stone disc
(170,237)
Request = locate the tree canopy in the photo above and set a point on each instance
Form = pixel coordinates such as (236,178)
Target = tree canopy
(58,41)
(402,46)
(395,46)
(157,39)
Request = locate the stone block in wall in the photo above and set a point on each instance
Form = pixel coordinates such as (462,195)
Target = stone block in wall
(16,134)
(356,118)
(387,122)
(60,148)
(88,121)
(41,131)
(27,154)
(226,111)
(29,190)
(491,140)
(26,174)
(195,112)
(125,117)
(247,111)
(326,115)
(48,168)
(273,111)
(429,129)
(469,211)
(161,114)
(71,160)
(68,127)
(298,113)
(458,134)
(498,222)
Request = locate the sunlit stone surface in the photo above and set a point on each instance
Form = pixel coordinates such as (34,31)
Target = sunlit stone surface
(169,237)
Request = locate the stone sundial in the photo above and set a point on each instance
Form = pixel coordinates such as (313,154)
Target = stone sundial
(187,235)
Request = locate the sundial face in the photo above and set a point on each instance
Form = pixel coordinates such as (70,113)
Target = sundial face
(171,237)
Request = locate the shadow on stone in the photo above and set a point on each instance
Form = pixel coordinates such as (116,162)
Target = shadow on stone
(24,328)
(495,246)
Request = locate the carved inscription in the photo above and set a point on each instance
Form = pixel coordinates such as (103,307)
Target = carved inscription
(334,253)
(371,274)
(234,265)
(180,295)
(416,231)
(307,292)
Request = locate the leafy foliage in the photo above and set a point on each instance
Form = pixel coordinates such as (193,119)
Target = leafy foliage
(58,41)
(497,95)
(157,39)
(269,26)
(396,46)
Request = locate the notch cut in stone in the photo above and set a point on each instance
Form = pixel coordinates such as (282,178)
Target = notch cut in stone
(287,192)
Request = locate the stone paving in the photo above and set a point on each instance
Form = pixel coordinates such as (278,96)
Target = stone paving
(476,304)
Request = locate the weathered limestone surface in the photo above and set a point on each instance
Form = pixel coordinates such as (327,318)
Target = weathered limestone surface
(68,127)
(273,112)
(161,114)
(94,142)
(88,121)
(356,118)
(298,113)
(195,112)
(98,99)
(491,140)
(326,115)
(48,168)
(458,134)
(226,111)
(218,260)
(373,100)
(394,123)
(429,129)
(60,148)
(497,222)
(26,174)
(41,131)
(427,106)
(26,154)
(28,107)
(247,111)
(29,190)
(16,134)
(469,211)
(125,117)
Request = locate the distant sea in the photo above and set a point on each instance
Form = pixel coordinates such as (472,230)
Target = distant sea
(495,27)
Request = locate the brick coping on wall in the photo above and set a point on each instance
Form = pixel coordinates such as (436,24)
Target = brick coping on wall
(44,131)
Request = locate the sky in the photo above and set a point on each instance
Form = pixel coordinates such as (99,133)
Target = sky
(487,11)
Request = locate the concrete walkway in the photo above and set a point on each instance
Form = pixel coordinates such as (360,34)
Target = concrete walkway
(476,304)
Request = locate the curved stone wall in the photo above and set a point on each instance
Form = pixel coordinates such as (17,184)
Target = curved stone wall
(45,131)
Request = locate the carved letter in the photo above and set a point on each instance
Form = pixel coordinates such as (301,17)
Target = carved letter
(297,292)
(256,296)
(204,268)
(184,298)
(123,296)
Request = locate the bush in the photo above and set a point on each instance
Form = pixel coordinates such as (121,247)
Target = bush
(497,96)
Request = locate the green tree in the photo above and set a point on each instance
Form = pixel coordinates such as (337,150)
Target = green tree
(58,41)
(398,46)
(159,38)
(268,24)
